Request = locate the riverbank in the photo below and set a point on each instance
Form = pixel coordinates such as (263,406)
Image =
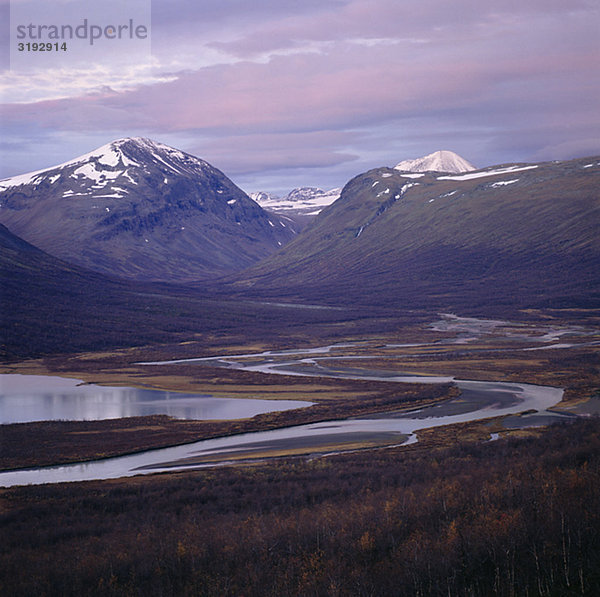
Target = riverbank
(499,517)
(26,445)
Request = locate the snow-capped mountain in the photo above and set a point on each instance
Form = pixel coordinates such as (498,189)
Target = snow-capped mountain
(141,209)
(438,161)
(304,201)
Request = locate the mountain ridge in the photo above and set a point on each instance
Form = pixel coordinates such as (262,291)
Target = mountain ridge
(142,210)
(521,234)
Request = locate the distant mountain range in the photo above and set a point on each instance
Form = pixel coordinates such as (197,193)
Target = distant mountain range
(142,210)
(515,234)
(507,237)
(300,204)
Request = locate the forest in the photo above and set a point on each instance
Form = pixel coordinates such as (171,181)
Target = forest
(515,516)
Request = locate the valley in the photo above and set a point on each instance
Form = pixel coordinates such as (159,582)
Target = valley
(347,305)
(300,299)
(435,334)
(376,387)
(274,517)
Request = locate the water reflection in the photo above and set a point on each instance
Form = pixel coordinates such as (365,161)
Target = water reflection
(487,399)
(27,398)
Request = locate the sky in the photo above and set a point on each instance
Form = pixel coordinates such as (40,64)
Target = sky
(285,93)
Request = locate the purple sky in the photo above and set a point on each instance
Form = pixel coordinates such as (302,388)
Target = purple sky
(285,93)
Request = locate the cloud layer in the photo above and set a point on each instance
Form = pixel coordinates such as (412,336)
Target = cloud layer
(273,90)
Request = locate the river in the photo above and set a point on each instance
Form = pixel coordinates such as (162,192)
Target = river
(477,400)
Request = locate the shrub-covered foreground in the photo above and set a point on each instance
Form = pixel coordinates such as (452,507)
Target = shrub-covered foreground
(511,517)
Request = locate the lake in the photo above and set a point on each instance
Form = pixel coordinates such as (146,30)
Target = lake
(27,398)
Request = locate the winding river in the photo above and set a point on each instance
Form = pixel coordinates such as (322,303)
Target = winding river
(521,404)
(477,400)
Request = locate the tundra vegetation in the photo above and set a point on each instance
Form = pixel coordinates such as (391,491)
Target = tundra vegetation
(516,516)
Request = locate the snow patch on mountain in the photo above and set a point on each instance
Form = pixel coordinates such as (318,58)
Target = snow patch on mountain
(110,162)
(302,200)
(486,173)
(503,183)
(89,171)
(438,161)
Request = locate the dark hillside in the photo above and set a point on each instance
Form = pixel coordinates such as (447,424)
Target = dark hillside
(514,236)
(48,306)
(509,518)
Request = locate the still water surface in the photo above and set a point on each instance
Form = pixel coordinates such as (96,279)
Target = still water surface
(478,400)
(27,398)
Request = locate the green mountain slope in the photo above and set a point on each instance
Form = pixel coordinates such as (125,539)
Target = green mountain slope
(518,235)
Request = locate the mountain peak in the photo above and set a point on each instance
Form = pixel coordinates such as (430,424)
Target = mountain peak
(438,161)
(141,209)
(119,154)
(133,151)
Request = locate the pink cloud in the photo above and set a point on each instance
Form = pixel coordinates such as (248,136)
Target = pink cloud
(427,19)
(463,67)
(351,86)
